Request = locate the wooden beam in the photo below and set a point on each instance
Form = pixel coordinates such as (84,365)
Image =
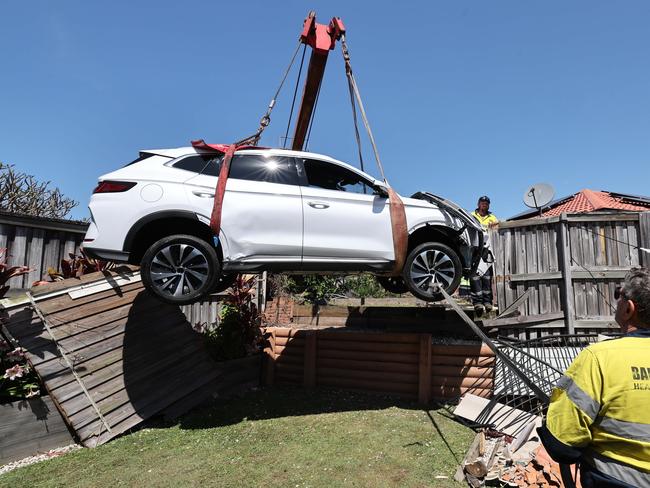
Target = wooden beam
(566,291)
(523,320)
(309,379)
(644,238)
(424,380)
(594,217)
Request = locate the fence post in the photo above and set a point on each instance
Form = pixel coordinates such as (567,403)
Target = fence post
(644,238)
(424,369)
(564,253)
(269,363)
(309,379)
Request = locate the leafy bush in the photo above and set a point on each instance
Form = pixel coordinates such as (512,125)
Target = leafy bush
(364,285)
(18,380)
(75,267)
(317,289)
(238,333)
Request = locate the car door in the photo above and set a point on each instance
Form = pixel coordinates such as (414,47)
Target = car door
(346,225)
(262,210)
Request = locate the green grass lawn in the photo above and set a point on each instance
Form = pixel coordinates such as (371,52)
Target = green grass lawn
(280,436)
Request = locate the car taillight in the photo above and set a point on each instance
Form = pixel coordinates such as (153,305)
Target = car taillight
(113,186)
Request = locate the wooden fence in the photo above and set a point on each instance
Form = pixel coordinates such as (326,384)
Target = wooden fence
(403,364)
(569,266)
(38,242)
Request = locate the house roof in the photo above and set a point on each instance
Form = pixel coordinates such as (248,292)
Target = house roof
(586,201)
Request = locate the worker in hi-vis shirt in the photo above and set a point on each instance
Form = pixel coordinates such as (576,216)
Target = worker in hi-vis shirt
(481,285)
(599,414)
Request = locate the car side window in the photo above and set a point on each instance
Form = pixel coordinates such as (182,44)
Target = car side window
(207,164)
(270,169)
(321,174)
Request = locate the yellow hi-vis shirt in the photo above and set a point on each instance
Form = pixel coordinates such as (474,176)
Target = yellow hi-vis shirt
(490,218)
(602,403)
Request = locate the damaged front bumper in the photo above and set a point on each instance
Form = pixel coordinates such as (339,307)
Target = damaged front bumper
(469,230)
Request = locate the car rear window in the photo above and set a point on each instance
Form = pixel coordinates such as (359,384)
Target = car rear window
(207,164)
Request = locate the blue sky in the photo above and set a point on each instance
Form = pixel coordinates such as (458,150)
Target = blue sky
(465,98)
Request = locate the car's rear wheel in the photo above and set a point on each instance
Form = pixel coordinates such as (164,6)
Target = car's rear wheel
(393,284)
(180,269)
(432,263)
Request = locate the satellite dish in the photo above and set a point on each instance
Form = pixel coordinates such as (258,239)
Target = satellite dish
(539,195)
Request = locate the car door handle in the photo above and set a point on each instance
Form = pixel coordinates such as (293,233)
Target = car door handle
(318,205)
(203,194)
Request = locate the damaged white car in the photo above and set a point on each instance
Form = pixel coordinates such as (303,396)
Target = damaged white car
(283,211)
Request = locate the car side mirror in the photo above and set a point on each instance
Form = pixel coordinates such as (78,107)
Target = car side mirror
(381,190)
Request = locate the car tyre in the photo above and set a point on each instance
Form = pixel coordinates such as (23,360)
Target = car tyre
(180,269)
(393,284)
(432,261)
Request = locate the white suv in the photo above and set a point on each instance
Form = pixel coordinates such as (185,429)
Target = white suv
(283,211)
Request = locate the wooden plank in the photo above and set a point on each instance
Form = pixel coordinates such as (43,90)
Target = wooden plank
(633,243)
(455,381)
(531,267)
(52,251)
(376,366)
(324,353)
(111,334)
(389,377)
(18,254)
(65,387)
(527,222)
(523,319)
(311,351)
(269,359)
(34,257)
(424,369)
(535,276)
(564,255)
(467,350)
(601,217)
(370,336)
(369,346)
(644,238)
(454,372)
(623,247)
(463,362)
(6,234)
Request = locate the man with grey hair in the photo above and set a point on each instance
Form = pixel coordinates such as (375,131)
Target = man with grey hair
(600,410)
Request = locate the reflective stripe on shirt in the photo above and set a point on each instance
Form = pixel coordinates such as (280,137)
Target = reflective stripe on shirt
(618,470)
(581,400)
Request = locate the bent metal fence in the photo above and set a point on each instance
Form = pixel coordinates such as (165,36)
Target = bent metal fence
(569,266)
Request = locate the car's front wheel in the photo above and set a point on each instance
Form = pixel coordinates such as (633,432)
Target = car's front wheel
(432,263)
(180,269)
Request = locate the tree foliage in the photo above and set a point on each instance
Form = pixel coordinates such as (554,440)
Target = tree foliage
(24,194)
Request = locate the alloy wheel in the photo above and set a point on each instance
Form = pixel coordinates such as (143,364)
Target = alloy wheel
(432,266)
(179,269)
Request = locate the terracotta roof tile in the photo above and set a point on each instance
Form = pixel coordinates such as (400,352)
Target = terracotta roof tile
(590,201)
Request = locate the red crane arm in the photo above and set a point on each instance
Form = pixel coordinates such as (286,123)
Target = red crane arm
(322,39)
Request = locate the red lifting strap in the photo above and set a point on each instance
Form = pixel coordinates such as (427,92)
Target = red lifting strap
(400,231)
(215,218)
